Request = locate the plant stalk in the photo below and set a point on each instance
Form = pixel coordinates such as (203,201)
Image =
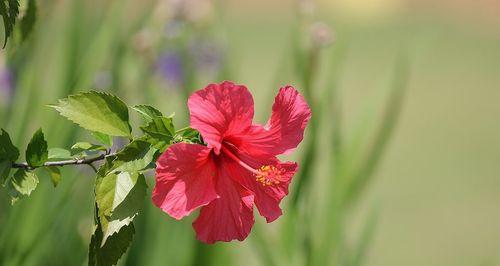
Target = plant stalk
(82,161)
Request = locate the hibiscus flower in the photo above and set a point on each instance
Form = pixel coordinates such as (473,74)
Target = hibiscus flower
(238,166)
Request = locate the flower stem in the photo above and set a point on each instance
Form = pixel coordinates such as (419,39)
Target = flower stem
(82,161)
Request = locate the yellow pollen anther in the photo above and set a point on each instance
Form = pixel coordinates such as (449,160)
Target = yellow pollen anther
(269,175)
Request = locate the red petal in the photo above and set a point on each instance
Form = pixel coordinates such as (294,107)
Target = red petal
(267,198)
(184,179)
(284,130)
(229,217)
(220,110)
(289,119)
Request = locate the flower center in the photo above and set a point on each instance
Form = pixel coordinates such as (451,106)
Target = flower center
(267,175)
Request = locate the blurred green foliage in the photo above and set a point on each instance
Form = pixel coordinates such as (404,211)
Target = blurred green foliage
(356,87)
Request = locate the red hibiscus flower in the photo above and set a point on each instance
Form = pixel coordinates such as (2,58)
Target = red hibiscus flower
(238,168)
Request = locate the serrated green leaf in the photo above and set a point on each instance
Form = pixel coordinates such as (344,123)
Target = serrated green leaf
(21,184)
(103,138)
(5,17)
(86,148)
(123,192)
(159,132)
(28,20)
(148,112)
(55,175)
(159,145)
(59,153)
(24,181)
(111,227)
(9,9)
(7,149)
(160,127)
(96,111)
(37,153)
(136,156)
(114,248)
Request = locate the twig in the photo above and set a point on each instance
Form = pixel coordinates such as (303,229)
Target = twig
(86,161)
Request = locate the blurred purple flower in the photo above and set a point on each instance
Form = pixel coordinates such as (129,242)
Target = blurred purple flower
(6,85)
(208,55)
(170,67)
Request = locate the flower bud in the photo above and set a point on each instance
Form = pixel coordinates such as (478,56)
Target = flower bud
(321,35)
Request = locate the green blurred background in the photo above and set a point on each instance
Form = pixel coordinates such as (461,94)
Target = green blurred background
(433,197)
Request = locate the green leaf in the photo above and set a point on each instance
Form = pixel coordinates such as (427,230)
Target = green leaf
(7,149)
(59,153)
(21,184)
(112,189)
(28,20)
(148,112)
(136,156)
(111,227)
(160,127)
(191,135)
(103,138)
(106,166)
(86,148)
(366,238)
(55,175)
(132,203)
(159,132)
(5,166)
(96,111)
(119,198)
(159,145)
(8,154)
(109,253)
(370,162)
(9,9)
(37,153)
